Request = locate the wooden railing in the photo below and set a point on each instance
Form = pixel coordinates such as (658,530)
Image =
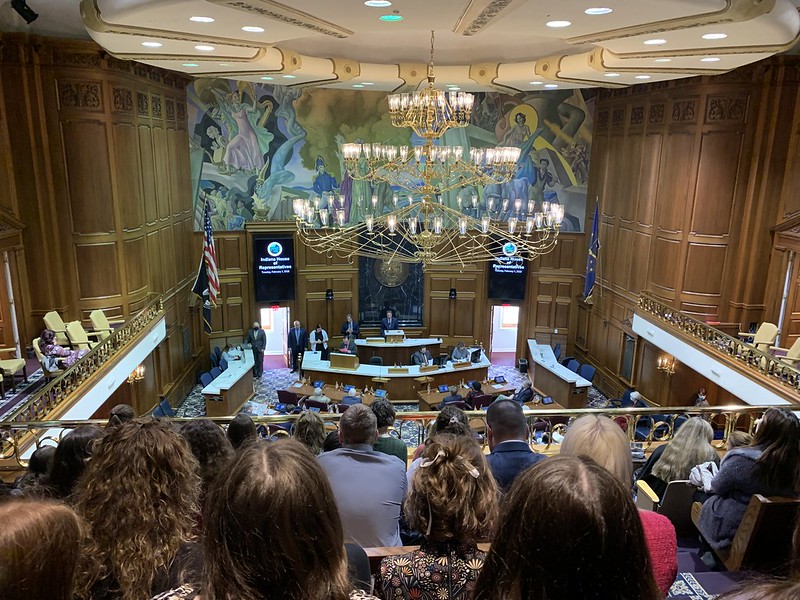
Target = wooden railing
(59,390)
(721,344)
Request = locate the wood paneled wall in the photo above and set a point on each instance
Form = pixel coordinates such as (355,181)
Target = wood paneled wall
(100,180)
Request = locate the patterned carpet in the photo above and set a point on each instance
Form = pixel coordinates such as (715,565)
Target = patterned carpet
(11,400)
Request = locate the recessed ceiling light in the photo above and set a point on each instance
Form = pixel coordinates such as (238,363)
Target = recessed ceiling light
(709,59)
(557,24)
(358,85)
(203,48)
(535,83)
(368,83)
(391,18)
(290,76)
(655,42)
(643,77)
(253,29)
(551,85)
(190,65)
(201,19)
(715,36)
(454,88)
(224,64)
(663,60)
(378,3)
(600,10)
(152,44)
(267,78)
(612,74)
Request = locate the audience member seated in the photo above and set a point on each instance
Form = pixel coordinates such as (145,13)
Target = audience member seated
(690,446)
(227,356)
(602,440)
(522,395)
(475,389)
(121,413)
(39,549)
(450,419)
(369,486)
(69,462)
(703,474)
(386,442)
(242,430)
(39,464)
(507,433)
(210,447)
(453,499)
(348,346)
(49,348)
(460,353)
(270,531)
(139,499)
(309,430)
(421,357)
(453,396)
(568,529)
(318,396)
(770,467)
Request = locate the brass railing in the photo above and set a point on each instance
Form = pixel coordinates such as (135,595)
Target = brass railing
(722,344)
(43,401)
(643,425)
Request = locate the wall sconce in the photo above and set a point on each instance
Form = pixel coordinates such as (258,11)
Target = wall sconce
(666,364)
(453,294)
(136,375)
(329,294)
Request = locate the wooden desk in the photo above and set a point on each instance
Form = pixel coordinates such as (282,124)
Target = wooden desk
(395,353)
(330,391)
(430,400)
(229,391)
(566,387)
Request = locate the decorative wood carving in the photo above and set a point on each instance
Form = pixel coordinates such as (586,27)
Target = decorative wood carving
(80,94)
(637,115)
(656,114)
(683,111)
(726,109)
(123,100)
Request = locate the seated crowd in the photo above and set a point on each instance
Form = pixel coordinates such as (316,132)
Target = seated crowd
(146,508)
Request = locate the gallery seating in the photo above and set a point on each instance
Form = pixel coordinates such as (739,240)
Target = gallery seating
(763,338)
(101,324)
(47,365)
(54,322)
(675,504)
(79,337)
(11,366)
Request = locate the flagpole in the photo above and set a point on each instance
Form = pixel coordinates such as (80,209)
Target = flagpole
(599,277)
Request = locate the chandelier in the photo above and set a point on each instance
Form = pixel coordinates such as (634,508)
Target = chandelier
(425,229)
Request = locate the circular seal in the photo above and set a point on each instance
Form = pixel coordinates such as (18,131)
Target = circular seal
(390,274)
(274,249)
(509,248)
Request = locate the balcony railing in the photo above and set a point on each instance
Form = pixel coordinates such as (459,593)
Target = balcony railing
(722,344)
(643,425)
(59,390)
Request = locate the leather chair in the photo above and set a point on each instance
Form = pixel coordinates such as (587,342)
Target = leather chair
(480,402)
(54,322)
(101,324)
(79,337)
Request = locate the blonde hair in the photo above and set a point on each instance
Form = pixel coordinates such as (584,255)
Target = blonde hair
(690,446)
(602,440)
(310,431)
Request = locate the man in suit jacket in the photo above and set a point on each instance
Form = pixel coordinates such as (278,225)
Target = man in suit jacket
(522,395)
(453,397)
(348,345)
(421,357)
(507,433)
(350,327)
(258,342)
(298,340)
(388,322)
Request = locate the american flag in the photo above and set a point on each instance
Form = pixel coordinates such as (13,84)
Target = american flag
(210,258)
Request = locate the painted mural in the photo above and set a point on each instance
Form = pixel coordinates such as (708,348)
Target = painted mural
(257,147)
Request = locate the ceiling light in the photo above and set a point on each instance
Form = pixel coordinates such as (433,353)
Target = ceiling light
(663,60)
(391,18)
(715,36)
(224,64)
(204,48)
(267,78)
(378,3)
(368,83)
(201,19)
(290,76)
(190,65)
(598,11)
(551,86)
(643,77)
(612,74)
(454,88)
(655,42)
(535,83)
(358,85)
(557,24)
(152,44)
(709,59)
(253,29)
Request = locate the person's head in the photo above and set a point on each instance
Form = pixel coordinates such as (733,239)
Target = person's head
(543,162)
(476,386)
(139,498)
(739,438)
(690,446)
(349,318)
(602,440)
(452,390)
(320,164)
(453,495)
(358,426)
(461,345)
(70,458)
(297,324)
(505,421)
(451,419)
(778,437)
(384,414)
(241,431)
(210,447)
(317,391)
(520,118)
(47,338)
(346,340)
(256,326)
(388,314)
(331,442)
(41,459)
(423,350)
(121,413)
(526,384)
(269,525)
(318,328)
(39,548)
(596,525)
(212,132)
(310,431)
(769,589)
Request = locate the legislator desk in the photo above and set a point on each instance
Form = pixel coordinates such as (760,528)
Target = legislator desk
(302,390)
(395,353)
(232,388)
(402,383)
(430,400)
(553,379)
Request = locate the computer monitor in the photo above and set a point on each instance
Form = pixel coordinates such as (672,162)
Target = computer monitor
(547,400)
(319,384)
(475,356)
(444,388)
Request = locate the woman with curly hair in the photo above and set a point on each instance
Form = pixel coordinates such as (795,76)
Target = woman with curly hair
(453,500)
(310,431)
(210,447)
(138,498)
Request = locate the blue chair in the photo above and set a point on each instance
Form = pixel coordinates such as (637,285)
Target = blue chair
(573,365)
(214,360)
(223,364)
(566,359)
(206,379)
(215,372)
(163,410)
(218,352)
(587,372)
(557,351)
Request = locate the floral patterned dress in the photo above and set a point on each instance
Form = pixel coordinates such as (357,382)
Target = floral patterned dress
(433,572)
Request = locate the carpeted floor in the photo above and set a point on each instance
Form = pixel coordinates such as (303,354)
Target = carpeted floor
(12,400)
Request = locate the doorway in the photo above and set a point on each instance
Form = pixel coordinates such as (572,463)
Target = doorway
(503,341)
(275,323)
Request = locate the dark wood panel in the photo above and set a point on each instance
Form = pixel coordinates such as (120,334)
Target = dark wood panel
(128,175)
(705,265)
(147,161)
(673,189)
(136,265)
(98,270)
(716,182)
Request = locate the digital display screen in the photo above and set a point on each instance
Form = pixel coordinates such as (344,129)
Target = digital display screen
(273,268)
(508,276)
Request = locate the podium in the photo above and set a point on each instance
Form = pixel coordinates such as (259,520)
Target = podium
(344,361)
(395,336)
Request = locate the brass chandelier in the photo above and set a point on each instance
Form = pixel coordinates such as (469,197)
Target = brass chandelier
(426,230)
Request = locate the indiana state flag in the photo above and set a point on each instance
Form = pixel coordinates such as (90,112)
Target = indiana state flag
(591,259)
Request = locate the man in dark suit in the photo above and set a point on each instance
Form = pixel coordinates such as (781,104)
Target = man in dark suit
(522,395)
(350,327)
(421,357)
(507,433)
(258,341)
(388,322)
(298,341)
(453,397)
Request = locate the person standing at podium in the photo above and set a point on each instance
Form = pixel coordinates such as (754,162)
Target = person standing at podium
(350,327)
(421,357)
(319,341)
(389,322)
(258,342)
(298,339)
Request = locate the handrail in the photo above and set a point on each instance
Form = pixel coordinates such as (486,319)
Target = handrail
(722,344)
(54,393)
